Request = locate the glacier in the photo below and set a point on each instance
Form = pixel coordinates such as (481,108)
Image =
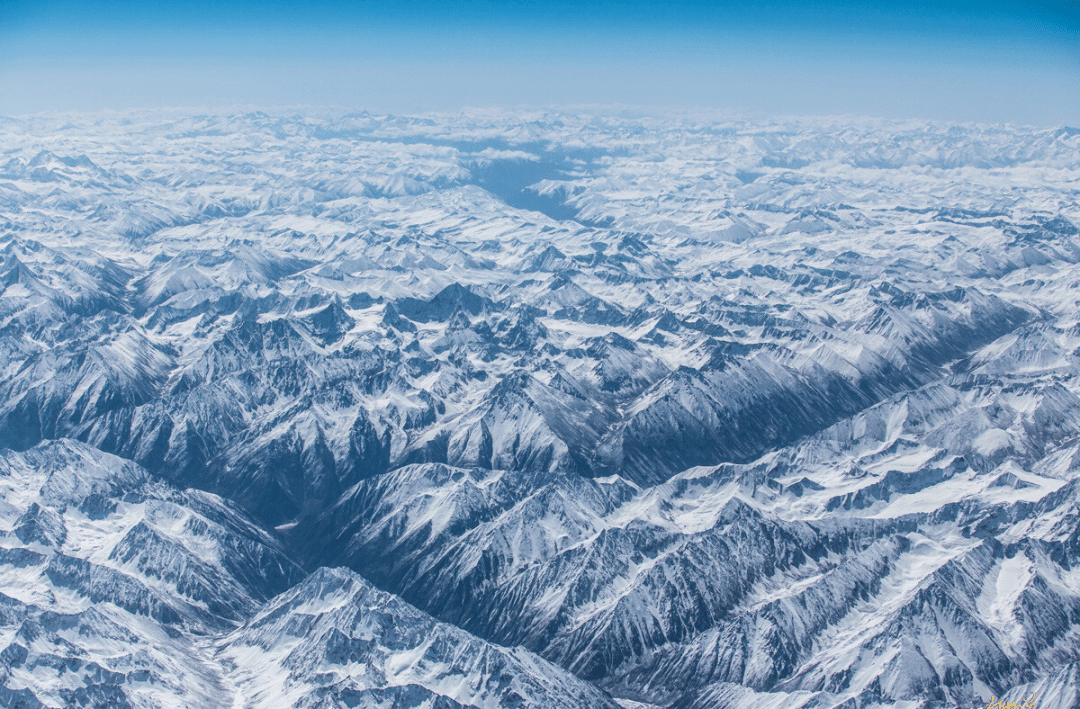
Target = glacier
(582,409)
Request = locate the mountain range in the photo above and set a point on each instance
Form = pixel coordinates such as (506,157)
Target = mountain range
(537,409)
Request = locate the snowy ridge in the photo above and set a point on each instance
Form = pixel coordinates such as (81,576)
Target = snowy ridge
(335,639)
(116,579)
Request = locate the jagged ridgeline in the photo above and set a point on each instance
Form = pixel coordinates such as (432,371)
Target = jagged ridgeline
(537,411)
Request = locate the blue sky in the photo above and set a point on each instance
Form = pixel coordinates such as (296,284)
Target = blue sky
(963,61)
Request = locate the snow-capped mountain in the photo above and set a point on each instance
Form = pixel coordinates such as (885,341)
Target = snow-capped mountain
(336,640)
(112,582)
(537,409)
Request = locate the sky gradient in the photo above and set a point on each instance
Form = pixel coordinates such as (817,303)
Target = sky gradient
(958,61)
